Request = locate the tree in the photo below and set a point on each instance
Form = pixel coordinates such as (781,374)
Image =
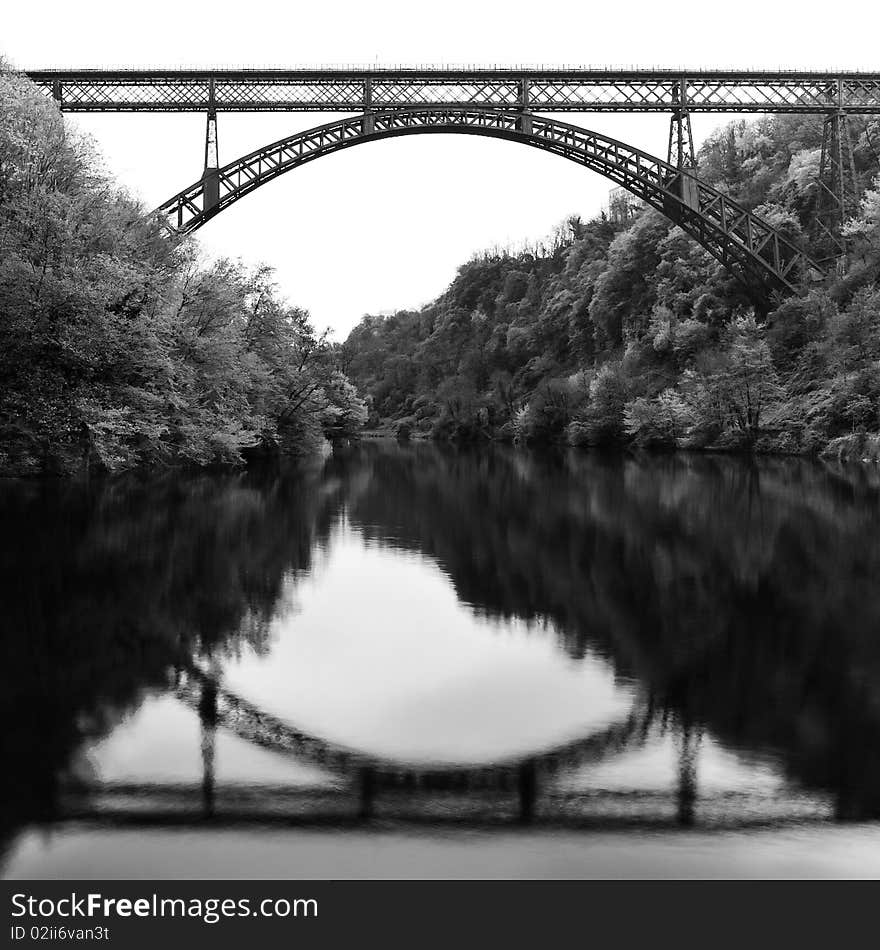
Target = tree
(604,416)
(344,413)
(746,380)
(659,422)
(624,294)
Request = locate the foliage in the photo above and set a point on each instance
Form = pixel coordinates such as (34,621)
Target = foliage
(634,333)
(119,345)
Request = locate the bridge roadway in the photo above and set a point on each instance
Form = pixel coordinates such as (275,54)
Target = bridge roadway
(538,88)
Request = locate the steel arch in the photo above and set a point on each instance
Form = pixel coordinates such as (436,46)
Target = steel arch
(750,247)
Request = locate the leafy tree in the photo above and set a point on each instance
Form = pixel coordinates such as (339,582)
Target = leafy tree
(345,413)
(659,422)
(746,380)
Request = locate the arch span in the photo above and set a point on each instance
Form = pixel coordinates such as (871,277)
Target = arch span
(750,247)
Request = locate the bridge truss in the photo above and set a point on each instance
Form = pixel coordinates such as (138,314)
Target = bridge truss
(539,89)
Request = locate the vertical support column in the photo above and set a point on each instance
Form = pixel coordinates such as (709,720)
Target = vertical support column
(208,720)
(687,773)
(837,199)
(369,122)
(57,92)
(524,122)
(210,176)
(681,139)
(680,151)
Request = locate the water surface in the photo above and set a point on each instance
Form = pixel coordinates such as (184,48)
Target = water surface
(413,661)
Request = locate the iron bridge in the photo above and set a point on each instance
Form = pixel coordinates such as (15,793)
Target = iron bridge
(507,103)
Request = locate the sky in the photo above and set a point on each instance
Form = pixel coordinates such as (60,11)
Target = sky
(384,227)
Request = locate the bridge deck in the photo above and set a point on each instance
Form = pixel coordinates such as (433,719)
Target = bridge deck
(540,89)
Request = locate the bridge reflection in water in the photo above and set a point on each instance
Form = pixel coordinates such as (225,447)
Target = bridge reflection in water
(372,775)
(738,599)
(521,790)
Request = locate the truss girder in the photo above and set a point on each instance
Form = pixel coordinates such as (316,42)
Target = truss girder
(745,243)
(548,90)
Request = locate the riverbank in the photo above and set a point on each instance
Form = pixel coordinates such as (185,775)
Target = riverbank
(861,447)
(857,449)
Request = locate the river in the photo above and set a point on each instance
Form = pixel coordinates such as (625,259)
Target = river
(411,661)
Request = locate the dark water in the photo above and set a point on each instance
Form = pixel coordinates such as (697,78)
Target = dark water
(406,661)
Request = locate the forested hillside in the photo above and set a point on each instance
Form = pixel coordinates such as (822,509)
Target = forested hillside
(632,333)
(118,345)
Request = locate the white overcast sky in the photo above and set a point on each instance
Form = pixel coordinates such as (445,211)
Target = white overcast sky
(384,226)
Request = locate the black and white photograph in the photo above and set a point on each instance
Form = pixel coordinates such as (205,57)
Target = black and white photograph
(437,444)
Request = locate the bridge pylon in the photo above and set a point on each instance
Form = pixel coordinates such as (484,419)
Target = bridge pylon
(680,151)
(369,122)
(838,196)
(210,175)
(524,119)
